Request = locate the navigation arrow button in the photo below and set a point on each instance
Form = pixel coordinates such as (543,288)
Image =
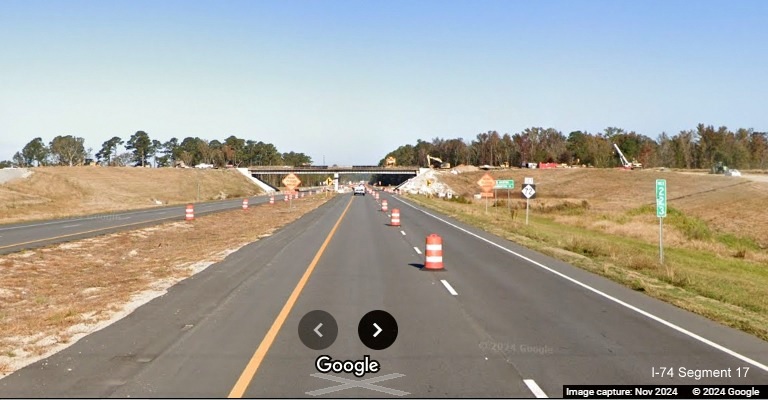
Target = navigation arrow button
(309,330)
(317,329)
(378,330)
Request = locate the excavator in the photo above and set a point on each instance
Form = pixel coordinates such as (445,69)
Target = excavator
(626,164)
(390,162)
(443,165)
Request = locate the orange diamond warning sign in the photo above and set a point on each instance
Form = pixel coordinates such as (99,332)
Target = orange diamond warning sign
(487,183)
(291,182)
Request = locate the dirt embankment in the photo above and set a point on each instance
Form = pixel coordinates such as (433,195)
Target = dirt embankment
(56,192)
(611,197)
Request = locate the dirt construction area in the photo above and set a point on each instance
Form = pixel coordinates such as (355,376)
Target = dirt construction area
(614,199)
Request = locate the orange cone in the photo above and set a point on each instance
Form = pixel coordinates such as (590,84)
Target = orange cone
(433,256)
(190,212)
(395,219)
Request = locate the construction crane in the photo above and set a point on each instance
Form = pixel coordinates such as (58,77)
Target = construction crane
(626,164)
(443,165)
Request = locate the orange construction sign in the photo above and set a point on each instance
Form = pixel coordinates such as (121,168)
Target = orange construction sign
(487,183)
(291,182)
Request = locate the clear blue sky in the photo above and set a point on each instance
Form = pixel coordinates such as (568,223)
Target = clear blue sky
(352,80)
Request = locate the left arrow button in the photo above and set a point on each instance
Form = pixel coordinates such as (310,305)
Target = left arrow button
(318,330)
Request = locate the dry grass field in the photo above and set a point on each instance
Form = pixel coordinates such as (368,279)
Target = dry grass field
(55,192)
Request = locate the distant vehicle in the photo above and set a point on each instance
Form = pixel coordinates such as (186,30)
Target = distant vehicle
(733,172)
(204,166)
(359,189)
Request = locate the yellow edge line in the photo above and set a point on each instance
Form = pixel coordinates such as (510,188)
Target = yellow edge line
(253,365)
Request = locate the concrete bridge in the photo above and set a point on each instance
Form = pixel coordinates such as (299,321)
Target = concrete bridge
(324,169)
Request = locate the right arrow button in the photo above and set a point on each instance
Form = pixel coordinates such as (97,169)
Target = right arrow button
(377,330)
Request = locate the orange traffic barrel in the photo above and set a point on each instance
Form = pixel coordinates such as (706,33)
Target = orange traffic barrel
(433,256)
(271,199)
(245,204)
(395,219)
(286,197)
(190,215)
(384,205)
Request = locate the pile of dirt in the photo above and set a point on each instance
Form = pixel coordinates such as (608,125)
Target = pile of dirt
(427,183)
(464,168)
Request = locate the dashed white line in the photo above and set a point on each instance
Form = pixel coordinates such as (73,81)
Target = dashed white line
(535,389)
(449,287)
(71,226)
(403,232)
(417,249)
(603,294)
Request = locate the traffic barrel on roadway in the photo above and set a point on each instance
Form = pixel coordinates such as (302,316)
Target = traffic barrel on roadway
(190,214)
(245,204)
(286,198)
(376,195)
(271,200)
(384,205)
(301,195)
(433,256)
(395,217)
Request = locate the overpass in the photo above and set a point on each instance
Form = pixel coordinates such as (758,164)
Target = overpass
(324,169)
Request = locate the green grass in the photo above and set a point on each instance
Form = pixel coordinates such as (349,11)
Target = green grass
(725,289)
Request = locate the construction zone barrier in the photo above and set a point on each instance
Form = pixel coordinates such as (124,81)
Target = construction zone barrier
(271,200)
(433,256)
(395,218)
(286,198)
(376,196)
(190,214)
(384,205)
(245,204)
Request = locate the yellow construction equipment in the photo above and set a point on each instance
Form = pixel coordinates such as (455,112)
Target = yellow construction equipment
(443,165)
(390,162)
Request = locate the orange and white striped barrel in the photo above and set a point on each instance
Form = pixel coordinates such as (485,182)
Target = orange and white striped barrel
(286,198)
(245,204)
(190,214)
(301,195)
(271,199)
(433,256)
(376,195)
(384,205)
(395,219)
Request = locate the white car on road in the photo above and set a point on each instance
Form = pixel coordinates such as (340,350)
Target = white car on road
(359,189)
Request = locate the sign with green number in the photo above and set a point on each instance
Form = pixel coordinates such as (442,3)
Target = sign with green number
(661,198)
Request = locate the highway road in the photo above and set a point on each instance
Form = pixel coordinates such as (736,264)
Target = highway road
(498,321)
(29,235)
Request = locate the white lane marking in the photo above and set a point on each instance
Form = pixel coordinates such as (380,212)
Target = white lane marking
(417,249)
(403,232)
(535,389)
(606,295)
(449,287)
(71,226)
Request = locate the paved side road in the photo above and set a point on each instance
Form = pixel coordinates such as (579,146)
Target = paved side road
(28,235)
(499,321)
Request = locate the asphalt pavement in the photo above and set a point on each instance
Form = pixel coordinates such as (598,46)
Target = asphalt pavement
(498,321)
(30,235)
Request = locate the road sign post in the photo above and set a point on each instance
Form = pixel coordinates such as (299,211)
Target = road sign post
(529,192)
(505,184)
(661,213)
(486,183)
(291,182)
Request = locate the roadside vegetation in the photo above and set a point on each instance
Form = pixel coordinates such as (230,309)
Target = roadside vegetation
(50,297)
(716,247)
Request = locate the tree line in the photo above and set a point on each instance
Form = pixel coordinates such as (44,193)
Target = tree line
(141,150)
(699,148)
